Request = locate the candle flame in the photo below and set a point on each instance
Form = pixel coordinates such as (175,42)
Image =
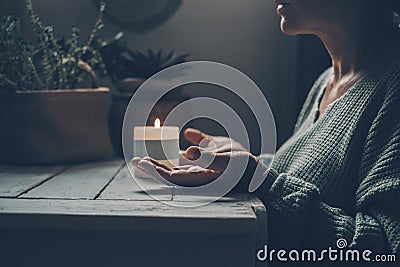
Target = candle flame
(157,123)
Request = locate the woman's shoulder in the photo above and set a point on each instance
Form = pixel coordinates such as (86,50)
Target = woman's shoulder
(388,73)
(387,81)
(393,76)
(390,94)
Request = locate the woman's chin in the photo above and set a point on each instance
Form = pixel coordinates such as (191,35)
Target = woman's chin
(289,28)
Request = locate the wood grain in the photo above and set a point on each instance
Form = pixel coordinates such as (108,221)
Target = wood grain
(83,181)
(125,215)
(99,206)
(15,180)
(261,214)
(185,195)
(124,187)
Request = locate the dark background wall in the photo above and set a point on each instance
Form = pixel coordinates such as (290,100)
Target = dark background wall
(242,34)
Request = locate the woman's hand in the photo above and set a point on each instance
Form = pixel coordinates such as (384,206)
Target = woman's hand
(212,143)
(208,143)
(210,165)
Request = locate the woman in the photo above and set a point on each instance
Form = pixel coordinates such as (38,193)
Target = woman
(338,176)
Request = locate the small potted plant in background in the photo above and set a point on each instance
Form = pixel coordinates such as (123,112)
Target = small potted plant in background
(44,116)
(128,69)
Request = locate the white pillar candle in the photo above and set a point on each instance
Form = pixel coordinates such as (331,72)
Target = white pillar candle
(158,142)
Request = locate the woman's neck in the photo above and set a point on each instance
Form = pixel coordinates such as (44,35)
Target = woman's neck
(359,48)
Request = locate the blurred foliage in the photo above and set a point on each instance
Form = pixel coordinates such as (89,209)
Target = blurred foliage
(122,62)
(52,62)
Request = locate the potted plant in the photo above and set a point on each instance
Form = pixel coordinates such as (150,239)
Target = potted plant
(128,69)
(49,113)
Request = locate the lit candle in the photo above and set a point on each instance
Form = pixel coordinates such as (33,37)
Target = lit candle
(158,142)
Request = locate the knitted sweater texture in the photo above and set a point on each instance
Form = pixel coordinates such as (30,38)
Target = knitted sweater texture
(338,176)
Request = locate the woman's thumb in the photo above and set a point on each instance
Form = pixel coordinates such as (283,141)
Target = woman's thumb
(194,136)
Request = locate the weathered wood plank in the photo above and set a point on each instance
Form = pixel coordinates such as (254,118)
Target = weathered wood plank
(261,237)
(83,181)
(126,215)
(15,180)
(124,187)
(185,195)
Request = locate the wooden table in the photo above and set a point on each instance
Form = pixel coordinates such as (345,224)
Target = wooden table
(95,215)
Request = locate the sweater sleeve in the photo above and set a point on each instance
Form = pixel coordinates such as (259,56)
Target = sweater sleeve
(299,217)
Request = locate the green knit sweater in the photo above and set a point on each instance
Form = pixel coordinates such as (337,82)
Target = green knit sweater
(338,176)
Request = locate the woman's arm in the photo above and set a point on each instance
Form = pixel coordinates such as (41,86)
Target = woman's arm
(299,218)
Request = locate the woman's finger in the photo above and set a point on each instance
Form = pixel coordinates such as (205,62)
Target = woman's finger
(135,161)
(189,178)
(154,171)
(182,158)
(157,163)
(207,159)
(194,136)
(186,176)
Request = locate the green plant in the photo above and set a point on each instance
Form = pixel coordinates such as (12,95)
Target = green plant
(52,62)
(122,62)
